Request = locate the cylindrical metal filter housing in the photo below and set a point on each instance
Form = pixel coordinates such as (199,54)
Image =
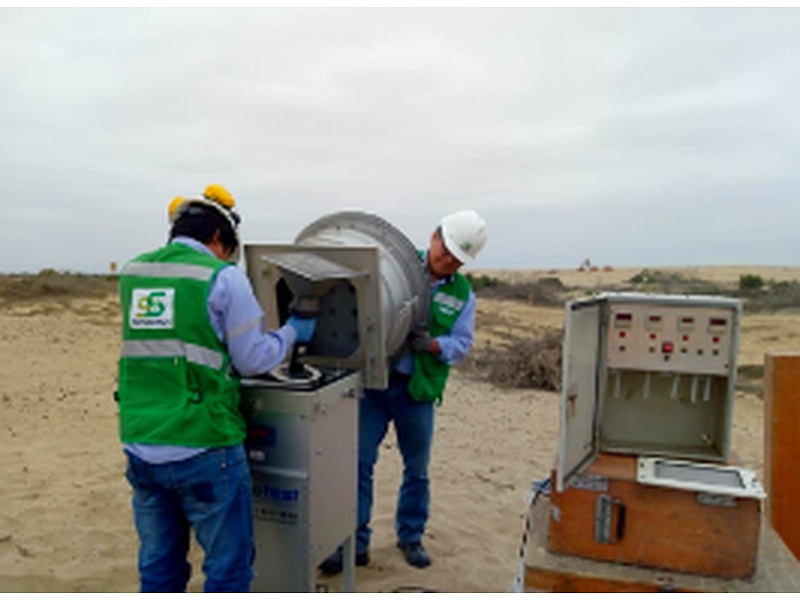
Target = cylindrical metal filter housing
(404,285)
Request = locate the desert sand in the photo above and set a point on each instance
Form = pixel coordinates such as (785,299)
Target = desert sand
(66,522)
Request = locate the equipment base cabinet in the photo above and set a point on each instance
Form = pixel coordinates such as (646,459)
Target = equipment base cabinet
(302,452)
(607,515)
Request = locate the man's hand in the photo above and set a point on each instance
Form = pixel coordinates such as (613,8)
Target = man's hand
(421,341)
(304,327)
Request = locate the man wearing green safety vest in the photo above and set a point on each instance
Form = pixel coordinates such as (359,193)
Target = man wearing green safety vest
(191,325)
(416,386)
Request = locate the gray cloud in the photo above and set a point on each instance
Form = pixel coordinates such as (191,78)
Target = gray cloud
(635,137)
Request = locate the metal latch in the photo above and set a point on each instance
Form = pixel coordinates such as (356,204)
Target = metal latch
(605,508)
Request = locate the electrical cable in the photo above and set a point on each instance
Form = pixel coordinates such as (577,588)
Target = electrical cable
(541,487)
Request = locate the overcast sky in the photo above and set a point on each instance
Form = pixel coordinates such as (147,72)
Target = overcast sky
(651,137)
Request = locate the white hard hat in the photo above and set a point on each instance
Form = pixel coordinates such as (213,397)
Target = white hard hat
(463,234)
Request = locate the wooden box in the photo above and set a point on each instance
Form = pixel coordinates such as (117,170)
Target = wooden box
(777,570)
(607,515)
(782,444)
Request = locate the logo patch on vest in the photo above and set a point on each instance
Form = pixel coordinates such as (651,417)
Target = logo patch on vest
(152,308)
(448,304)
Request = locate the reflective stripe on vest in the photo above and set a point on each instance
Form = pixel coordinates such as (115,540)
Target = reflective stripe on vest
(172,348)
(176,270)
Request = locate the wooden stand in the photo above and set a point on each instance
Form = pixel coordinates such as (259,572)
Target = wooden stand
(776,568)
(782,445)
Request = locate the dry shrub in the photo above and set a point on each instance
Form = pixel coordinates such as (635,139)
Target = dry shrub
(49,284)
(522,363)
(673,282)
(544,291)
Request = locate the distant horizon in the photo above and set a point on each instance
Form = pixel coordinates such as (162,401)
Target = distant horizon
(595,268)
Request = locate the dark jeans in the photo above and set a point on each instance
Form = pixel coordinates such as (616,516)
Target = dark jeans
(210,493)
(413,422)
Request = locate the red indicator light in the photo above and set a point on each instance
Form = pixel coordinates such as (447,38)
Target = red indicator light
(623,320)
(653,336)
(685,338)
(715,339)
(667,347)
(622,334)
(655,319)
(687,320)
(717,322)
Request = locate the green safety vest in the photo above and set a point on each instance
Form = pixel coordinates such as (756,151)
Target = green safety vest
(430,373)
(176,385)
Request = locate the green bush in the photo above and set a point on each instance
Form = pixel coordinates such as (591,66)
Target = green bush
(642,276)
(774,296)
(750,282)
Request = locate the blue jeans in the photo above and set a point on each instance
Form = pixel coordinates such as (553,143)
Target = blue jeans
(413,422)
(210,493)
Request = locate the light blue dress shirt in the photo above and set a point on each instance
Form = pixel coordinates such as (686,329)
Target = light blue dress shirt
(456,344)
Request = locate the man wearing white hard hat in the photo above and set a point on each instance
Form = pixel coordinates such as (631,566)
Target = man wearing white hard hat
(416,386)
(191,326)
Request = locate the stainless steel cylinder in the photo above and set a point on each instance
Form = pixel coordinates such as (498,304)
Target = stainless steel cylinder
(404,283)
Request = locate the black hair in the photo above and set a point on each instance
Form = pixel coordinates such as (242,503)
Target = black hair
(201,222)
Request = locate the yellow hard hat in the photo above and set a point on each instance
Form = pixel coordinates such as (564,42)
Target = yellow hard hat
(214,192)
(173,207)
(215,196)
(219,194)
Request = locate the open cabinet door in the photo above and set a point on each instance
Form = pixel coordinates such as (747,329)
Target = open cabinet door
(579,390)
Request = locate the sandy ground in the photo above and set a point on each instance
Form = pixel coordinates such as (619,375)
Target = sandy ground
(66,524)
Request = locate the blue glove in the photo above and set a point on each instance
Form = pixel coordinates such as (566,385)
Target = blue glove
(304,328)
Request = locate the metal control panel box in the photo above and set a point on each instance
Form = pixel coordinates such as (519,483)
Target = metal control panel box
(686,339)
(647,375)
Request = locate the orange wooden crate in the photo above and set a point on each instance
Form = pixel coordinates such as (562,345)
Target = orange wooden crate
(777,570)
(663,528)
(782,445)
